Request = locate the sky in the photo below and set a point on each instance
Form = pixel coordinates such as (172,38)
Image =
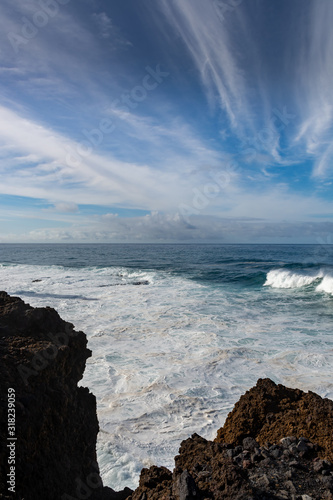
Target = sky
(166,121)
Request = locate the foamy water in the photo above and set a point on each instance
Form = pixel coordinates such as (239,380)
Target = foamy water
(281,278)
(172,351)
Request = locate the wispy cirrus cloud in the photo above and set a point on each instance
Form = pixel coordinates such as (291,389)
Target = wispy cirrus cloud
(210,46)
(242,70)
(109,180)
(169,142)
(59,62)
(235,70)
(313,72)
(104,24)
(35,162)
(245,96)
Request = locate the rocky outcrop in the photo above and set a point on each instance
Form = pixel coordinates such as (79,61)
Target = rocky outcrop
(275,444)
(269,412)
(52,424)
(208,470)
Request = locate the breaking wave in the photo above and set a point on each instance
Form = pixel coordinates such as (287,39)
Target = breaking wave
(282,278)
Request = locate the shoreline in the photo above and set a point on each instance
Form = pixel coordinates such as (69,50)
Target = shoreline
(42,360)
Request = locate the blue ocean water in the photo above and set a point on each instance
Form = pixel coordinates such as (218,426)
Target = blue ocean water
(179,332)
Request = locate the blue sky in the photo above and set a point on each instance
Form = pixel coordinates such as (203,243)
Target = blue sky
(166,120)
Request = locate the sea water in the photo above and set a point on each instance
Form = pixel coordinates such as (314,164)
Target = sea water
(179,332)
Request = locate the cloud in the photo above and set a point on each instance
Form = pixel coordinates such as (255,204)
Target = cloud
(323,165)
(185,149)
(108,31)
(210,47)
(104,24)
(66,207)
(61,60)
(42,163)
(159,228)
(38,169)
(271,106)
(228,51)
(313,73)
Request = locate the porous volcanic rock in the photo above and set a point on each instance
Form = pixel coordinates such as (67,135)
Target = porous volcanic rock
(269,412)
(208,470)
(42,360)
(276,444)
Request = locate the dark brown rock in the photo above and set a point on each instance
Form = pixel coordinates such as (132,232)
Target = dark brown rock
(42,360)
(239,466)
(155,484)
(184,487)
(202,471)
(266,450)
(292,412)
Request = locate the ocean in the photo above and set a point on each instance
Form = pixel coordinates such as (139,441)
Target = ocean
(179,332)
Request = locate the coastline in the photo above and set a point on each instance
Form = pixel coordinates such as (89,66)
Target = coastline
(42,360)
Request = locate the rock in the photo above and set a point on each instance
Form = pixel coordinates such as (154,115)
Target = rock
(256,456)
(289,474)
(230,453)
(287,441)
(327,481)
(250,444)
(293,449)
(264,481)
(226,478)
(302,445)
(265,453)
(244,468)
(320,465)
(42,360)
(283,494)
(110,494)
(155,484)
(184,487)
(292,413)
(290,486)
(276,453)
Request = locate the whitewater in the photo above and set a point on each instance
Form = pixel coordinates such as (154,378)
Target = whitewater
(179,332)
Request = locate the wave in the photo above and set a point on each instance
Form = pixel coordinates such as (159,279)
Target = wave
(326,285)
(28,293)
(282,278)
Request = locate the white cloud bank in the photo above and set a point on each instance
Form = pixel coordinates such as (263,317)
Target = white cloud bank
(159,228)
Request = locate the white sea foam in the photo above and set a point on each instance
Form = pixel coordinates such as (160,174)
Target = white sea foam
(326,285)
(282,278)
(171,357)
